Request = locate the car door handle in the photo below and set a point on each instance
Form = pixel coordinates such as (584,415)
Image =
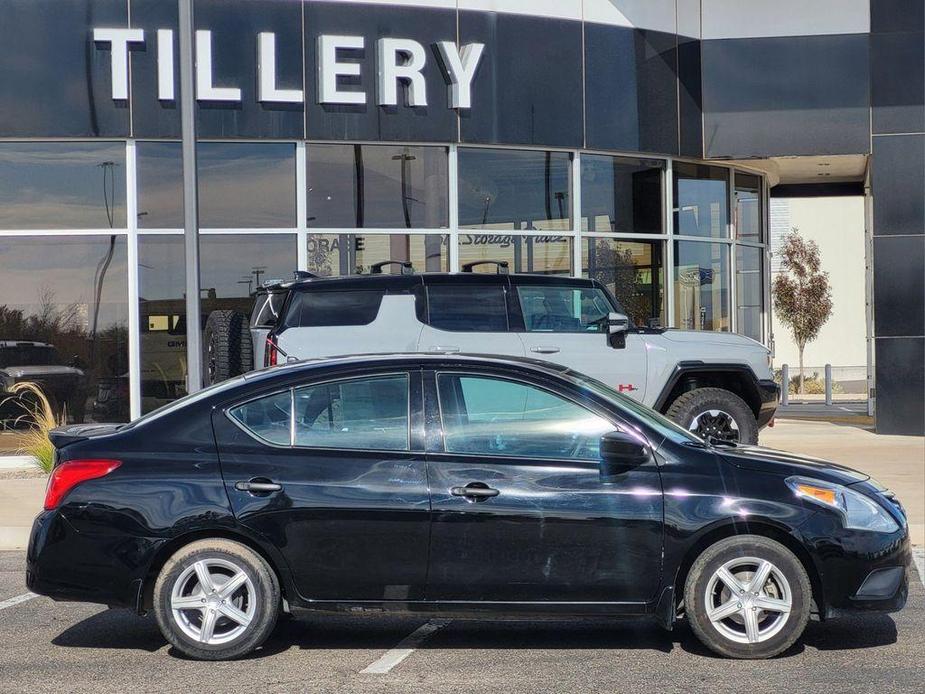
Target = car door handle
(446,349)
(544,349)
(258,486)
(473,492)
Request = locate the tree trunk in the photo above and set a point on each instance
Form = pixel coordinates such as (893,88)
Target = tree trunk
(802,388)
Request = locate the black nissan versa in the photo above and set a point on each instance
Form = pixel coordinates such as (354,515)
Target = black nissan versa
(459,485)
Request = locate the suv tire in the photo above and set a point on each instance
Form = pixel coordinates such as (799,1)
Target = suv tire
(731,625)
(197,575)
(715,412)
(227,346)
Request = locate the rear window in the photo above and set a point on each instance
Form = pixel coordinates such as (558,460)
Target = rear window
(467,308)
(266,309)
(335,308)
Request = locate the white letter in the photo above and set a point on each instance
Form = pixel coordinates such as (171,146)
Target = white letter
(460,67)
(266,71)
(119,40)
(389,71)
(329,69)
(165,90)
(204,89)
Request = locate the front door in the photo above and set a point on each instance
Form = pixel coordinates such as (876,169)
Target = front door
(520,512)
(568,325)
(331,474)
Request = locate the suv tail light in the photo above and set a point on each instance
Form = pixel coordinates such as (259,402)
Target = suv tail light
(272,355)
(68,475)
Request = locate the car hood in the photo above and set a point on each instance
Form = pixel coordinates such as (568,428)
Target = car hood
(49,371)
(711,338)
(784,463)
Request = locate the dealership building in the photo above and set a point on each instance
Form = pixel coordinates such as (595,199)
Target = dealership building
(635,141)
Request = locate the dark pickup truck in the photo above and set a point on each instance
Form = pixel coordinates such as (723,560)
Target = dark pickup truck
(39,363)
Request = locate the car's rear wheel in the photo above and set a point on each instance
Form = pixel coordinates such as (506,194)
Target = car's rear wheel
(216,600)
(715,413)
(747,597)
(227,347)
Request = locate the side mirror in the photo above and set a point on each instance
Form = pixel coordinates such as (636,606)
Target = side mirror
(621,452)
(617,325)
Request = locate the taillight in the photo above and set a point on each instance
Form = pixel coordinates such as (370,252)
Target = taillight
(68,475)
(272,354)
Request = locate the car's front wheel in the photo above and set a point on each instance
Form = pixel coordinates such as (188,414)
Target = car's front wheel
(216,600)
(715,413)
(747,597)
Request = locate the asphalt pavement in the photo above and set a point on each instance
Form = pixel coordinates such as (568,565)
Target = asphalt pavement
(69,647)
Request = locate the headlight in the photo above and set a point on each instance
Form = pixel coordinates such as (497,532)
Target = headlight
(858,511)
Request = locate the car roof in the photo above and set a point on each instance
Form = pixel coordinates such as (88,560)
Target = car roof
(407,282)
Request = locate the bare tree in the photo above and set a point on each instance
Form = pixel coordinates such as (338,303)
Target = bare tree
(802,296)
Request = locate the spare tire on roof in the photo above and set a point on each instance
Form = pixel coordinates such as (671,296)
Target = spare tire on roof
(227,347)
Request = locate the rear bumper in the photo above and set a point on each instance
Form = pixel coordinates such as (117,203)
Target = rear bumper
(769,393)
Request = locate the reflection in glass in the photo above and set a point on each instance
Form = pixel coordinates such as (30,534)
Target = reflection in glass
(748,206)
(64,325)
(632,271)
(621,195)
(241,185)
(749,291)
(376,186)
(62,185)
(701,285)
(231,268)
(354,254)
(514,189)
(542,254)
(701,200)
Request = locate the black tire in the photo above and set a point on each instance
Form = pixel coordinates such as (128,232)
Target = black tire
(699,581)
(264,612)
(700,401)
(227,347)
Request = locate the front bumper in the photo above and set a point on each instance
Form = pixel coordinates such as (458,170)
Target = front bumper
(769,393)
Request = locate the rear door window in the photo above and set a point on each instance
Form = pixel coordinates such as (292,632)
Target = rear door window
(268,418)
(336,308)
(467,308)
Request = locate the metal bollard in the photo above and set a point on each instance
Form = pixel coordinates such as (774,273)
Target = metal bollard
(828,384)
(784,385)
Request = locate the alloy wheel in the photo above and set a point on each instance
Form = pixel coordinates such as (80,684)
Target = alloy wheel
(715,424)
(748,600)
(213,601)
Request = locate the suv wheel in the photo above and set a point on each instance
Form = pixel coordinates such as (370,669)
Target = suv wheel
(747,597)
(216,600)
(715,413)
(227,346)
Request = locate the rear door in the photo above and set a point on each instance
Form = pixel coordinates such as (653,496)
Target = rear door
(332,473)
(566,324)
(468,314)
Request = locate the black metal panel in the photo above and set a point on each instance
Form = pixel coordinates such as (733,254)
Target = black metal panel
(55,81)
(898,177)
(786,96)
(528,87)
(897,65)
(151,117)
(690,97)
(900,384)
(435,122)
(631,89)
(899,286)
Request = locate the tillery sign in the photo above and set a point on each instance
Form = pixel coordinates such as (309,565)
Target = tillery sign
(397,60)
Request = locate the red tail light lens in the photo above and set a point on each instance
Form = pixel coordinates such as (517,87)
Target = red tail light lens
(68,475)
(272,354)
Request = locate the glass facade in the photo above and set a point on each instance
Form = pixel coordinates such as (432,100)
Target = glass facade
(268,208)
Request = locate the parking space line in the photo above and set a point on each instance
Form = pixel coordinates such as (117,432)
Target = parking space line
(404,648)
(918,556)
(15,601)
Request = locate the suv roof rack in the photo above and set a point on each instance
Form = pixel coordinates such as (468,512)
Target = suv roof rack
(406,267)
(502,265)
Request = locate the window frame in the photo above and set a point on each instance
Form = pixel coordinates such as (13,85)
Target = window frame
(432,382)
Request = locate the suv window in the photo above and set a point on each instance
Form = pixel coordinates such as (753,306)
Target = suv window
(493,416)
(268,418)
(467,308)
(564,309)
(335,308)
(266,309)
(366,413)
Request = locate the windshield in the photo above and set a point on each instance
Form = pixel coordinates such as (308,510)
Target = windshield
(29,355)
(650,417)
(187,399)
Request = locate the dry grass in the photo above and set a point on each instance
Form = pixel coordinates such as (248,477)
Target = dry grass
(40,418)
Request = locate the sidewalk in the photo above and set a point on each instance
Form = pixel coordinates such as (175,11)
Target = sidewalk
(20,500)
(895,461)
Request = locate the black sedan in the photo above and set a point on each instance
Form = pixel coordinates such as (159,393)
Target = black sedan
(458,485)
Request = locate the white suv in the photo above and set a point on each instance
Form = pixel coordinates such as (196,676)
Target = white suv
(718,385)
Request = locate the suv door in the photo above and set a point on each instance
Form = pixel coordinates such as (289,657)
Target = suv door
(568,325)
(520,512)
(347,503)
(468,314)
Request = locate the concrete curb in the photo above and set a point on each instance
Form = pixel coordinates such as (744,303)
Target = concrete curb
(14,537)
(17,462)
